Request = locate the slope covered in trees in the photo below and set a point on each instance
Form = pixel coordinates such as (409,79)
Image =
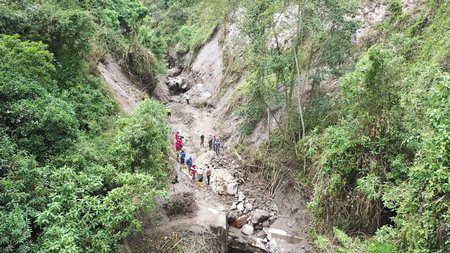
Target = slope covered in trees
(73,173)
(363,124)
(374,149)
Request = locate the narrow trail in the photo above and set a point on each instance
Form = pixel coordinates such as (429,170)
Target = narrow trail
(286,219)
(191,122)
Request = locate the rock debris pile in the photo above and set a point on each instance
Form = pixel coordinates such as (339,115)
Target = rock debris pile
(251,214)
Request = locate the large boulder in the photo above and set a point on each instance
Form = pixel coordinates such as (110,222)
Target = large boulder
(223,182)
(247,229)
(232,188)
(259,216)
(239,222)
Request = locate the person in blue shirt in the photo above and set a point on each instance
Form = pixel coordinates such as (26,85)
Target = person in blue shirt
(182,156)
(189,164)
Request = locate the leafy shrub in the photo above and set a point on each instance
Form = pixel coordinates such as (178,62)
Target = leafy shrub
(142,141)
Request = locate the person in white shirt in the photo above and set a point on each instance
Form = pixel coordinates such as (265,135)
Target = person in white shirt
(200,176)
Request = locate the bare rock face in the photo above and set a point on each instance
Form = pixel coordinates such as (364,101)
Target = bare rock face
(260,216)
(247,229)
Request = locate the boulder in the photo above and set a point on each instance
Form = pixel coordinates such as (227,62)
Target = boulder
(241,196)
(232,188)
(260,216)
(232,216)
(221,189)
(274,233)
(240,207)
(266,224)
(237,223)
(248,207)
(247,229)
(233,206)
(261,234)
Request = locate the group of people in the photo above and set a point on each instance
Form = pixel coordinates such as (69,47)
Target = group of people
(214,143)
(195,171)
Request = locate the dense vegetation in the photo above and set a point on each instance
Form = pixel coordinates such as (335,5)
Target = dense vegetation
(374,150)
(74,175)
(366,124)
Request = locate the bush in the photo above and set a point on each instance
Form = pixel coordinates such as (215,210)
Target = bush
(141,142)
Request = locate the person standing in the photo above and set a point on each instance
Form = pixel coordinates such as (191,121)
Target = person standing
(208,173)
(169,111)
(187,98)
(189,164)
(194,169)
(210,142)
(217,146)
(178,144)
(202,140)
(182,156)
(200,177)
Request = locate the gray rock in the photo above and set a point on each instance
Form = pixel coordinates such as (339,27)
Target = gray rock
(248,207)
(266,224)
(241,196)
(232,188)
(260,216)
(273,245)
(240,206)
(258,243)
(247,229)
(234,206)
(261,234)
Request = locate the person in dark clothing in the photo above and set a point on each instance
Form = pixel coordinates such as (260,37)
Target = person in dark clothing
(216,145)
(182,156)
(189,164)
(210,142)
(202,140)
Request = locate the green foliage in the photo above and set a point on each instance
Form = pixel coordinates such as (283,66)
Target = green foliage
(79,202)
(387,153)
(395,7)
(142,140)
(152,40)
(184,25)
(62,186)
(39,123)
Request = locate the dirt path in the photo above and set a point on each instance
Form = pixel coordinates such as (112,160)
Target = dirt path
(286,220)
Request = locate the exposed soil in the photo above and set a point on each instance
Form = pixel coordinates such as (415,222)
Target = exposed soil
(127,94)
(193,213)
